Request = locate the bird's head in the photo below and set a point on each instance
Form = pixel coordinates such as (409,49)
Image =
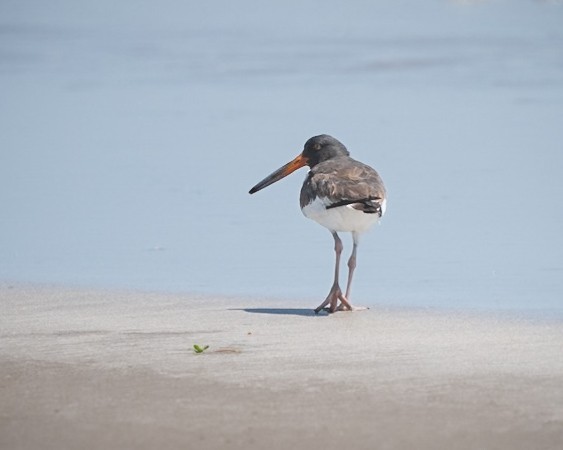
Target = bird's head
(316,150)
(321,148)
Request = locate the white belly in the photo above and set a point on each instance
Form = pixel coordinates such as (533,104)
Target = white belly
(342,218)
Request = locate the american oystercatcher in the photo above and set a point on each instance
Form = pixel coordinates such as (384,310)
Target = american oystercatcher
(339,193)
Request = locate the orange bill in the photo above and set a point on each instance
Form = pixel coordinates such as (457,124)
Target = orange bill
(282,172)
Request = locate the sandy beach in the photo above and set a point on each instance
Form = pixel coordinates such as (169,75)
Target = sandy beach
(106,369)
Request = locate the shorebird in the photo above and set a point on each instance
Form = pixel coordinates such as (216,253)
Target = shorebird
(341,194)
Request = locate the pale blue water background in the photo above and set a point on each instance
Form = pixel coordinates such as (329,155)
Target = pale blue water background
(130,133)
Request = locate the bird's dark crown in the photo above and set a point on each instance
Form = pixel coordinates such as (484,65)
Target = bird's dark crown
(321,148)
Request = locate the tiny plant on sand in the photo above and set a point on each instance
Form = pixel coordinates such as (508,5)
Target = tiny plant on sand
(199,349)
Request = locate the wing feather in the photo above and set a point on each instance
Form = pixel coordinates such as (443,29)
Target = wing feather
(340,183)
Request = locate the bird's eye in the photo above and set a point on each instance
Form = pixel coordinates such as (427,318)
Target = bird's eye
(317,146)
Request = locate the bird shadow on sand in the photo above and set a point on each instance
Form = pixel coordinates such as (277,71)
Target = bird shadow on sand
(282,311)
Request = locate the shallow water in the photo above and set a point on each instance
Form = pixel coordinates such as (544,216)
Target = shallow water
(131,133)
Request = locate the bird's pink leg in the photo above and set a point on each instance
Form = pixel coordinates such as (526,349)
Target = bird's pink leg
(335,293)
(351,266)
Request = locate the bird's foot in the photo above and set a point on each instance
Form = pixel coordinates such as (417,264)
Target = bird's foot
(332,299)
(353,308)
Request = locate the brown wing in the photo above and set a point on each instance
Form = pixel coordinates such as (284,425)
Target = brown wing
(344,181)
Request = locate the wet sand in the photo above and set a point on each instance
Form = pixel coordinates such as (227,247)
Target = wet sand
(107,369)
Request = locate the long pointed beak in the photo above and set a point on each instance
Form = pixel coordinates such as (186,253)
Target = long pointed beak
(282,172)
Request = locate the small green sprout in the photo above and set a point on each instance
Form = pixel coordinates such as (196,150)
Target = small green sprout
(199,349)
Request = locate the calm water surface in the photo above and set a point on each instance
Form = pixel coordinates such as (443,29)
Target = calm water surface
(130,133)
